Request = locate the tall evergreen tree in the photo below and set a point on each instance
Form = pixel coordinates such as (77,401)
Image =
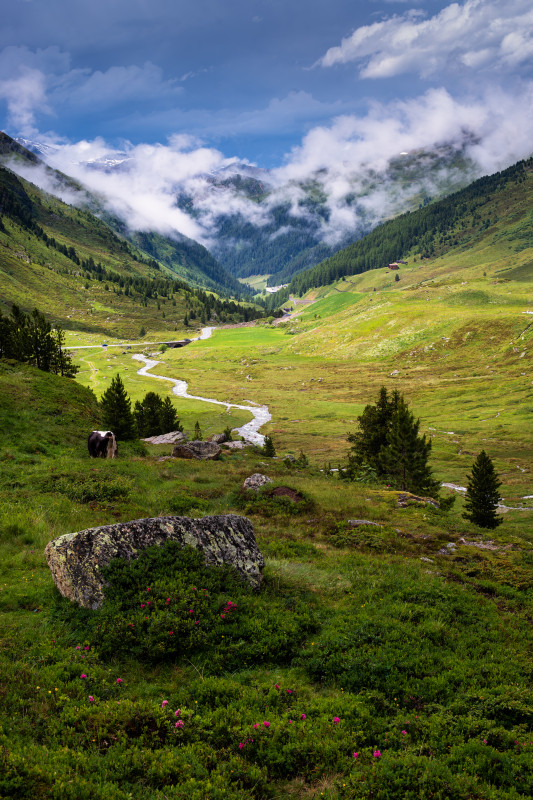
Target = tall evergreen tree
(482,495)
(269,451)
(198,432)
(169,417)
(374,426)
(116,407)
(405,456)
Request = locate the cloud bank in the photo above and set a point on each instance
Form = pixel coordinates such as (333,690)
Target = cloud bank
(474,35)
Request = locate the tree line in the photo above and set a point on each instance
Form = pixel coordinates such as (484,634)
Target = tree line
(30,338)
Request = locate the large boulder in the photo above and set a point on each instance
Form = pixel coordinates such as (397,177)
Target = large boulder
(196,449)
(76,559)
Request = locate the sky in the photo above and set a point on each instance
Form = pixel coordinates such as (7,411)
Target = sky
(326,85)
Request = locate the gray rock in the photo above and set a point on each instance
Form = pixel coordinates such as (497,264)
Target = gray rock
(76,559)
(234,445)
(355,523)
(255,481)
(218,438)
(406,498)
(167,438)
(196,449)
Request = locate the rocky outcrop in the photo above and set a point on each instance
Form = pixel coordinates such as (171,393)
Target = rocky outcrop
(218,438)
(196,449)
(76,559)
(407,499)
(167,438)
(255,481)
(356,523)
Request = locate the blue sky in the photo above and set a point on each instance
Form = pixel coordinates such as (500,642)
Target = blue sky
(248,77)
(328,90)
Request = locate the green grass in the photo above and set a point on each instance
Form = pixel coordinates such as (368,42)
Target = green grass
(426,661)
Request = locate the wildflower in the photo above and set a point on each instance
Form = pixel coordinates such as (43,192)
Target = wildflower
(302,716)
(78,647)
(91,699)
(171,633)
(276,686)
(266,724)
(179,724)
(404,733)
(87,647)
(256,725)
(164,703)
(484,741)
(336,720)
(289,691)
(241,745)
(356,755)
(83,675)
(377,753)
(196,621)
(119,681)
(177,713)
(142,605)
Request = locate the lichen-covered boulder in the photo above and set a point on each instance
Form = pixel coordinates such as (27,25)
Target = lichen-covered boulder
(255,481)
(76,559)
(202,450)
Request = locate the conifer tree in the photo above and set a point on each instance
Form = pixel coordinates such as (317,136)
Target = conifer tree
(169,417)
(374,426)
(269,451)
(117,413)
(198,432)
(405,456)
(482,495)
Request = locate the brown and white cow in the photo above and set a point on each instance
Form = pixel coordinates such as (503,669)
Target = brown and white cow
(102,444)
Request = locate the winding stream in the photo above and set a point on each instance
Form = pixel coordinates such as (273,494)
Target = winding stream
(249,431)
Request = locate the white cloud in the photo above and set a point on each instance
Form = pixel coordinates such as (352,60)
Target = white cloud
(472,34)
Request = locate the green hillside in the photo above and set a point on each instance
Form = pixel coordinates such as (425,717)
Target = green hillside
(73,267)
(183,259)
(495,209)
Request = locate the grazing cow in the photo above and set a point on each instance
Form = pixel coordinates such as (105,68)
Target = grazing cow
(102,444)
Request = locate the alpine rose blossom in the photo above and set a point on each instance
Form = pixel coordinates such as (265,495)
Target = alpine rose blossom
(336,720)
(377,753)
(179,724)
(164,703)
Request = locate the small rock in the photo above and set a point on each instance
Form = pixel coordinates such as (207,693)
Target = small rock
(255,481)
(356,523)
(218,438)
(427,560)
(233,445)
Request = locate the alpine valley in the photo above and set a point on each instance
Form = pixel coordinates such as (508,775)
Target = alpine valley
(387,654)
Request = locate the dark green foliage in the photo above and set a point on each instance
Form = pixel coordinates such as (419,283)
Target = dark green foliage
(269,451)
(374,427)
(117,415)
(272,500)
(228,434)
(167,604)
(154,416)
(198,432)
(405,456)
(30,338)
(482,494)
(388,444)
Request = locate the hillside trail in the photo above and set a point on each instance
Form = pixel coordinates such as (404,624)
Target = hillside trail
(249,431)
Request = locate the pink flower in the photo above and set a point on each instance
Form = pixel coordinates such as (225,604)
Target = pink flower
(256,725)
(177,713)
(356,755)
(179,724)
(302,716)
(119,681)
(171,633)
(266,724)
(87,647)
(241,745)
(78,647)
(484,741)
(196,621)
(377,753)
(142,605)
(276,686)
(83,675)
(336,720)
(91,699)
(289,691)
(164,703)
(290,722)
